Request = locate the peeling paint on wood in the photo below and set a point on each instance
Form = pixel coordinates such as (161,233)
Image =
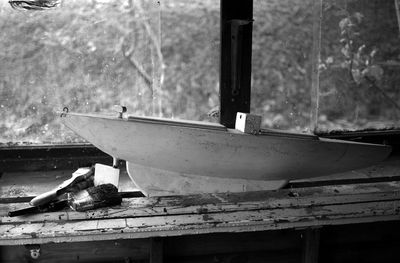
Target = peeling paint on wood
(208,213)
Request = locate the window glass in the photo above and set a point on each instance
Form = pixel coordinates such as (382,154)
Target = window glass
(359,65)
(191,50)
(86,55)
(157,58)
(317,64)
(282,63)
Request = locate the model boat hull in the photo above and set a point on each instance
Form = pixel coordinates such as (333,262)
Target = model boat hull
(194,150)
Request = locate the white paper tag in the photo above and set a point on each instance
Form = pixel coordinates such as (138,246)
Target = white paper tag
(104,174)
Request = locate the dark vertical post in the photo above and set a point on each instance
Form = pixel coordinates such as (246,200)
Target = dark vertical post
(311,238)
(235,62)
(156,250)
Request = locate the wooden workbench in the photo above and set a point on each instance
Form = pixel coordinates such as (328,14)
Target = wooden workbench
(287,225)
(208,213)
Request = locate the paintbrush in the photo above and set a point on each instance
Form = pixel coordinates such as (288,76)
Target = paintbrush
(81,179)
(50,207)
(103,195)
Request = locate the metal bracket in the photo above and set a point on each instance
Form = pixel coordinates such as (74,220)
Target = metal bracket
(120,110)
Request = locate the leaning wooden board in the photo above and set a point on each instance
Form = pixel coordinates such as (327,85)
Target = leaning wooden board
(208,213)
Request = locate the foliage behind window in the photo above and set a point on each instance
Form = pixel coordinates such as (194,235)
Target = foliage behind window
(282,63)
(360,65)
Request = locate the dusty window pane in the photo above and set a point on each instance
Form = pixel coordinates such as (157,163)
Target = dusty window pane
(359,65)
(87,55)
(190,45)
(91,55)
(282,63)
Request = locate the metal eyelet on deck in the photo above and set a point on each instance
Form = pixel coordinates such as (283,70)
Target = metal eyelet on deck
(65,111)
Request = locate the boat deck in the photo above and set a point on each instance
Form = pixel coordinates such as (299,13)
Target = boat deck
(301,213)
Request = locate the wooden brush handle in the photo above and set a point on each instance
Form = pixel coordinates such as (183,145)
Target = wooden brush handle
(44,198)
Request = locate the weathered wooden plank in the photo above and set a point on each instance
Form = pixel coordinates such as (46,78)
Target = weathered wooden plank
(126,211)
(171,225)
(209,213)
(212,203)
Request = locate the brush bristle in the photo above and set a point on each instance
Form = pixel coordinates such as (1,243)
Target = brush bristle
(104,195)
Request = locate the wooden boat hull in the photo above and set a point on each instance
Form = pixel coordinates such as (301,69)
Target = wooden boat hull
(157,182)
(182,149)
